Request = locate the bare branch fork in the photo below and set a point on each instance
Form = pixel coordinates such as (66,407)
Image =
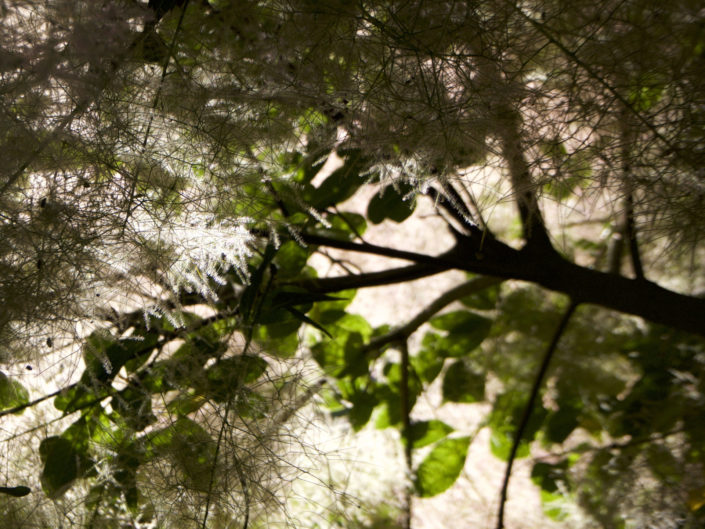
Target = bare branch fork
(548,269)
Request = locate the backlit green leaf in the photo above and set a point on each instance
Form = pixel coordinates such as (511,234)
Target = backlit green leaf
(484,300)
(501,446)
(469,327)
(12,393)
(561,423)
(547,476)
(427,364)
(424,433)
(62,465)
(461,383)
(342,183)
(441,467)
(390,203)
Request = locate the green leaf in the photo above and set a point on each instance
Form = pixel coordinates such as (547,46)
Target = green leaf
(501,445)
(12,393)
(548,476)
(342,300)
(290,259)
(17,492)
(356,361)
(344,225)
(389,203)
(126,464)
(194,451)
(61,465)
(554,149)
(134,404)
(189,446)
(279,323)
(467,327)
(393,373)
(355,323)
(280,338)
(305,319)
(226,377)
(507,412)
(561,423)
(424,433)
(342,183)
(556,507)
(290,297)
(185,404)
(484,300)
(85,393)
(363,403)
(441,467)
(461,383)
(104,355)
(645,95)
(390,411)
(427,364)
(341,355)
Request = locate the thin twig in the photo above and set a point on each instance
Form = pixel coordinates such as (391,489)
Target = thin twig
(454,294)
(155,102)
(454,210)
(211,481)
(630,232)
(616,445)
(595,75)
(406,430)
(375,249)
(629,226)
(538,380)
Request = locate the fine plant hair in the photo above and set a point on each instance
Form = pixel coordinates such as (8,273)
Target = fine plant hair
(111,157)
(156,156)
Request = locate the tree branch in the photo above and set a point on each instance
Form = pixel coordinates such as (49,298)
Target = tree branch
(548,269)
(629,227)
(538,381)
(507,127)
(321,240)
(630,233)
(325,285)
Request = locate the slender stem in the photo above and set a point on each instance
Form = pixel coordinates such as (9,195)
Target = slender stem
(155,102)
(406,430)
(630,230)
(211,481)
(538,381)
(629,226)
(454,206)
(34,402)
(402,333)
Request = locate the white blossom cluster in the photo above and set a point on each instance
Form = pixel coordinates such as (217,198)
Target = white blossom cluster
(197,247)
